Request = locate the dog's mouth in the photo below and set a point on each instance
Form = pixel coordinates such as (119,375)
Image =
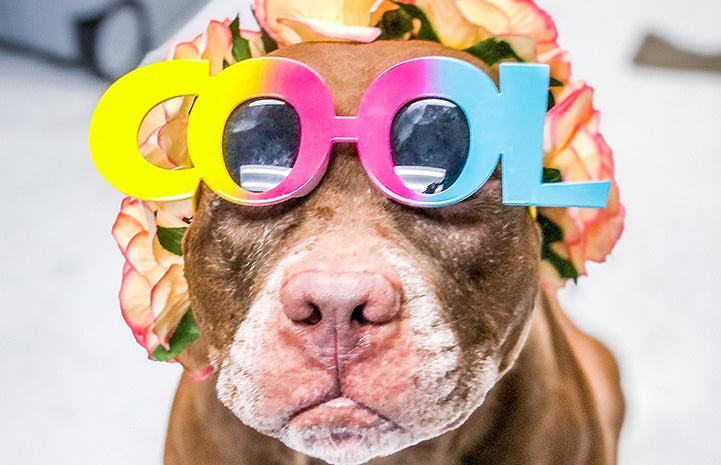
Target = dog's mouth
(341,412)
(340,423)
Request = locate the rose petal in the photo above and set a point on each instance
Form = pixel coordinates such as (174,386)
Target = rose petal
(283,19)
(453,29)
(184,51)
(151,142)
(173,141)
(141,257)
(310,30)
(358,12)
(523,46)
(171,214)
(563,119)
(255,42)
(155,155)
(168,220)
(169,301)
(485,14)
(559,60)
(218,46)
(526,17)
(164,258)
(125,229)
(151,124)
(379,8)
(549,277)
(134,297)
(136,208)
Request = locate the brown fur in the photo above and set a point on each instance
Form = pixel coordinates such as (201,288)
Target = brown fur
(560,403)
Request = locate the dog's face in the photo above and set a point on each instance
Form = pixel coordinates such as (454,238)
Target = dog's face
(350,326)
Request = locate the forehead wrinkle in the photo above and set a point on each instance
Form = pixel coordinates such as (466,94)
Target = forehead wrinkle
(349,69)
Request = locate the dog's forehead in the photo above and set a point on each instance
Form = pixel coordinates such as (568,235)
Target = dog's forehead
(348,69)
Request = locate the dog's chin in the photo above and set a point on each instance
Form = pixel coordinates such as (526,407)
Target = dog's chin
(343,432)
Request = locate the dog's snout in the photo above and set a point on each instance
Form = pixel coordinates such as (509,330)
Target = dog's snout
(339,304)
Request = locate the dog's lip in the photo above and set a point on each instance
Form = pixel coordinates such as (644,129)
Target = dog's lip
(340,412)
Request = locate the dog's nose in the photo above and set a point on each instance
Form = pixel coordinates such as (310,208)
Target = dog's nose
(340,304)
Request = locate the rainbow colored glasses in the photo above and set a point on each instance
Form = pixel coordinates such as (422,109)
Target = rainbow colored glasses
(506,125)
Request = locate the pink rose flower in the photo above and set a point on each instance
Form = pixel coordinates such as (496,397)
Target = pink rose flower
(153,294)
(293,21)
(162,135)
(216,46)
(574,145)
(526,27)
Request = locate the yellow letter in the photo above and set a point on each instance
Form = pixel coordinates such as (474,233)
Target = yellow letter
(117,118)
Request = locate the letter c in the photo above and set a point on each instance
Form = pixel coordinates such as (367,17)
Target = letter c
(116,121)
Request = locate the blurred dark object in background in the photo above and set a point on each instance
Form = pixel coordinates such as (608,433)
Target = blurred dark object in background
(658,52)
(109,36)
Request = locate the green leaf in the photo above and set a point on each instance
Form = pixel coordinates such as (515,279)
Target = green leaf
(551,101)
(171,239)
(241,46)
(493,51)
(426,31)
(564,267)
(552,175)
(553,82)
(553,233)
(269,45)
(395,24)
(186,332)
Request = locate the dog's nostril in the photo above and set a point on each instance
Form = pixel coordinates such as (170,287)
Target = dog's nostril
(358,316)
(312,319)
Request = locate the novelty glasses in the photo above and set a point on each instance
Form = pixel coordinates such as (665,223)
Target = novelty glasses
(429,132)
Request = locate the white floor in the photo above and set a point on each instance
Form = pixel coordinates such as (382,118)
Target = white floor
(75,389)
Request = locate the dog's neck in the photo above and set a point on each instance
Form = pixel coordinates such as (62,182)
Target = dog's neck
(540,400)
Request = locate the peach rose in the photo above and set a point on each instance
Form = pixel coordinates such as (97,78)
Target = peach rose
(153,294)
(153,285)
(293,21)
(527,28)
(574,145)
(162,134)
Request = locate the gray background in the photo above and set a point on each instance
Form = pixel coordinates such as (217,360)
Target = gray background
(76,389)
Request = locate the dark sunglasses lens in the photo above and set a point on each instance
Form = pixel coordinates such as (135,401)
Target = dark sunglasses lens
(429,144)
(260,143)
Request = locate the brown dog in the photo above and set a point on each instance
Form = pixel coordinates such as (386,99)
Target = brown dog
(352,328)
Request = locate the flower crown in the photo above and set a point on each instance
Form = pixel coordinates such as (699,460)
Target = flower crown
(154,295)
